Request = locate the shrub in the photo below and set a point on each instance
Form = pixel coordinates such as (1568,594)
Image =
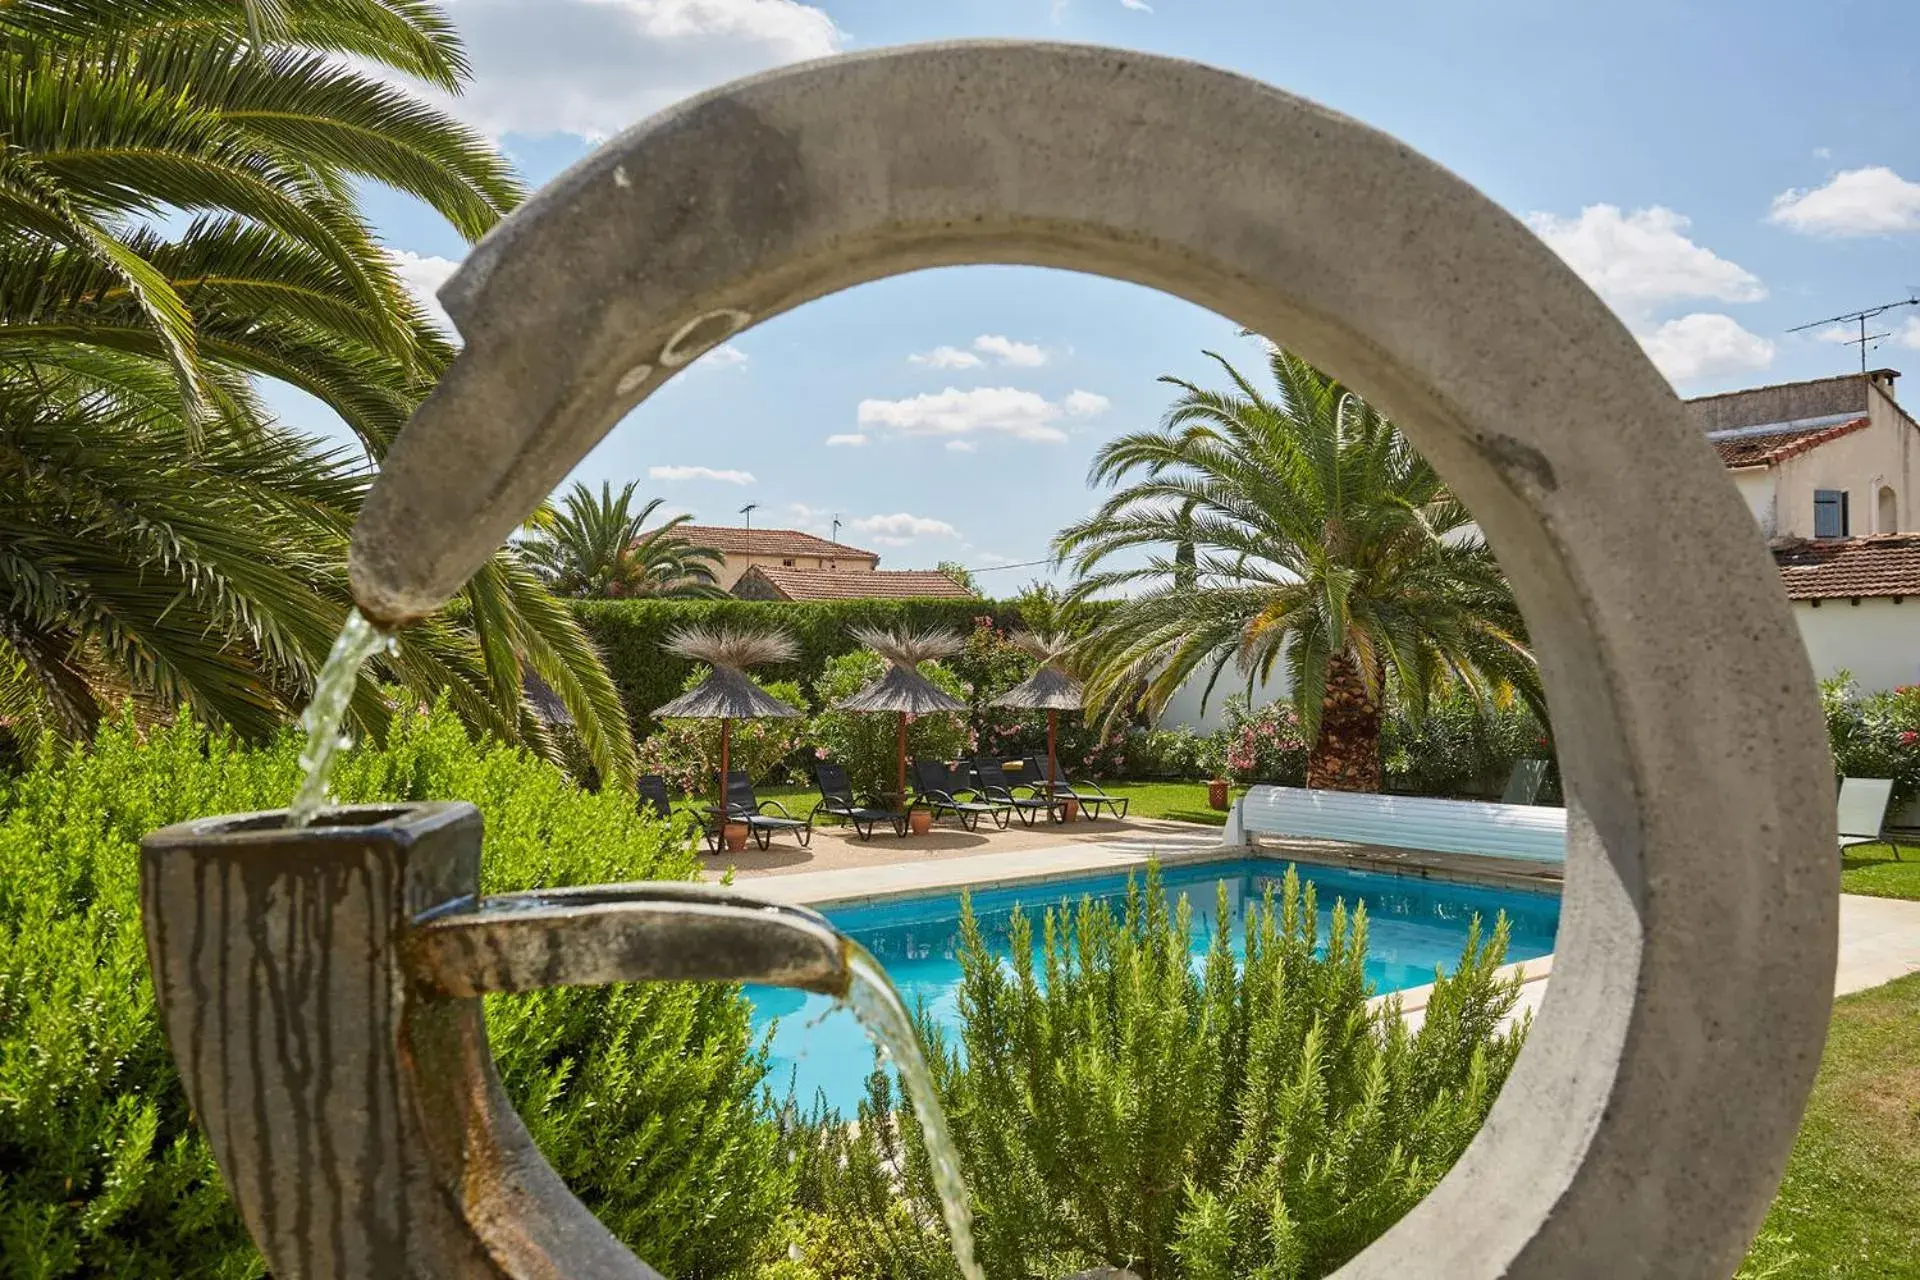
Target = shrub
(1175,753)
(866,743)
(1874,735)
(687,752)
(1114,1107)
(645,1097)
(1460,747)
(1264,745)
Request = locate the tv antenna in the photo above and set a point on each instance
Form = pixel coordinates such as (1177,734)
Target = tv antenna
(836,528)
(747,511)
(1866,340)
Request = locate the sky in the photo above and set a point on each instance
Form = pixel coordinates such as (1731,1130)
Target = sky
(1719,173)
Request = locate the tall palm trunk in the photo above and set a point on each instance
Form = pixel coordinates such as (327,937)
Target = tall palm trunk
(1346,755)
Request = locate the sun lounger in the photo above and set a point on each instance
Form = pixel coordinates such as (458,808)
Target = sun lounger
(993,784)
(837,800)
(1090,797)
(937,790)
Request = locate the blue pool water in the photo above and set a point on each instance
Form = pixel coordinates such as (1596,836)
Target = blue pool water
(1414,926)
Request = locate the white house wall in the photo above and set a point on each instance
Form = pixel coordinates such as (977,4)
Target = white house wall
(1877,640)
(1883,455)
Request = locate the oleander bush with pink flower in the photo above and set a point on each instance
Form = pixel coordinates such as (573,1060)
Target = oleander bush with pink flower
(1874,735)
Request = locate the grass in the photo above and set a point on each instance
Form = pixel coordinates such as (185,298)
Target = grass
(1850,1204)
(1873,870)
(1174,801)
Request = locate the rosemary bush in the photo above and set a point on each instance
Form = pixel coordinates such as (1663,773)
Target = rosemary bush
(1114,1107)
(646,1098)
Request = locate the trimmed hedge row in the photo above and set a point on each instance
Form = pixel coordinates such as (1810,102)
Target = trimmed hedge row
(630,634)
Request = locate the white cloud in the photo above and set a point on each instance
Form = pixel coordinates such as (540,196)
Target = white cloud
(1908,334)
(851,440)
(1823,153)
(1085,404)
(423,275)
(944,357)
(1024,415)
(593,67)
(1638,261)
(724,356)
(1705,345)
(1855,202)
(1140,6)
(962,446)
(901,529)
(700,473)
(1004,351)
(1023,355)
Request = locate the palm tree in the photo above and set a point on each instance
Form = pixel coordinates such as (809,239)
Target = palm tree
(125,334)
(598,546)
(1323,543)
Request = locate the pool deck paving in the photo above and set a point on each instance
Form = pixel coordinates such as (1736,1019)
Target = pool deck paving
(1879,937)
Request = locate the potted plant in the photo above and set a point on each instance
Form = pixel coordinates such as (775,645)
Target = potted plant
(1217,793)
(919,821)
(735,834)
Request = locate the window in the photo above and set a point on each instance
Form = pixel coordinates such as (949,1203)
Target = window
(1889,521)
(788,563)
(1829,513)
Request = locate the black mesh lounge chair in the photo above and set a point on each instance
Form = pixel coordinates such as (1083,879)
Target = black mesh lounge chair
(744,806)
(938,791)
(653,795)
(837,801)
(1863,813)
(1090,797)
(994,785)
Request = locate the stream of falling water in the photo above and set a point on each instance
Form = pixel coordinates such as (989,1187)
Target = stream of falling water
(332,691)
(877,1004)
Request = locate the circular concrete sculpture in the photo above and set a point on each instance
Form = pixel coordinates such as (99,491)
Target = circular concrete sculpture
(1646,1125)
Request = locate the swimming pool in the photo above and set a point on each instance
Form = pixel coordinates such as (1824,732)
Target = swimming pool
(1413,927)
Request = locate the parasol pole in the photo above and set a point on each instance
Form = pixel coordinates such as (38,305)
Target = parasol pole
(726,726)
(903,761)
(1053,767)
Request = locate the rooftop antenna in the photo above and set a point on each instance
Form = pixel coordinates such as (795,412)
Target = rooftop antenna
(747,511)
(836,528)
(1860,318)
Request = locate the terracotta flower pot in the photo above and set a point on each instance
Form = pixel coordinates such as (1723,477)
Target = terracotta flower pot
(1071,808)
(919,822)
(1217,794)
(735,834)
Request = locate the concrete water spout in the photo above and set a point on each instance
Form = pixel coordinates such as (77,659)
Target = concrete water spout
(321,992)
(1645,1126)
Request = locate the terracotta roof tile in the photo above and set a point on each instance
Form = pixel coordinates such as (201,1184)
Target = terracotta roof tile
(769,542)
(1777,446)
(881,584)
(1886,564)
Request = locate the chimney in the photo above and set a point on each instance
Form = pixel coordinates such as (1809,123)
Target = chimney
(1883,379)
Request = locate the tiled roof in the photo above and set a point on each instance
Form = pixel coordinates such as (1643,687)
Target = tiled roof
(884,584)
(768,542)
(1770,447)
(1886,564)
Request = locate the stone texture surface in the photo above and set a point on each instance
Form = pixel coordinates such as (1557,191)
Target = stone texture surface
(1648,1121)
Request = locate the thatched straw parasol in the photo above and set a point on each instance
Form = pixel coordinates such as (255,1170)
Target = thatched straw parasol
(726,694)
(903,689)
(1049,689)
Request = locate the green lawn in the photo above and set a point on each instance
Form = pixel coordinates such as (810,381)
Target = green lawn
(1178,801)
(1872,870)
(1850,1205)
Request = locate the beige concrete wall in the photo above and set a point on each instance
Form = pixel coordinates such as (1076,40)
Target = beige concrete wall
(1877,640)
(734,565)
(1882,457)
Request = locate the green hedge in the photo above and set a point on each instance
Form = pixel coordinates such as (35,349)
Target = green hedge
(646,1097)
(630,634)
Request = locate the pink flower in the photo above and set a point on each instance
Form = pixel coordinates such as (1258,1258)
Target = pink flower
(1908,738)
(819,753)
